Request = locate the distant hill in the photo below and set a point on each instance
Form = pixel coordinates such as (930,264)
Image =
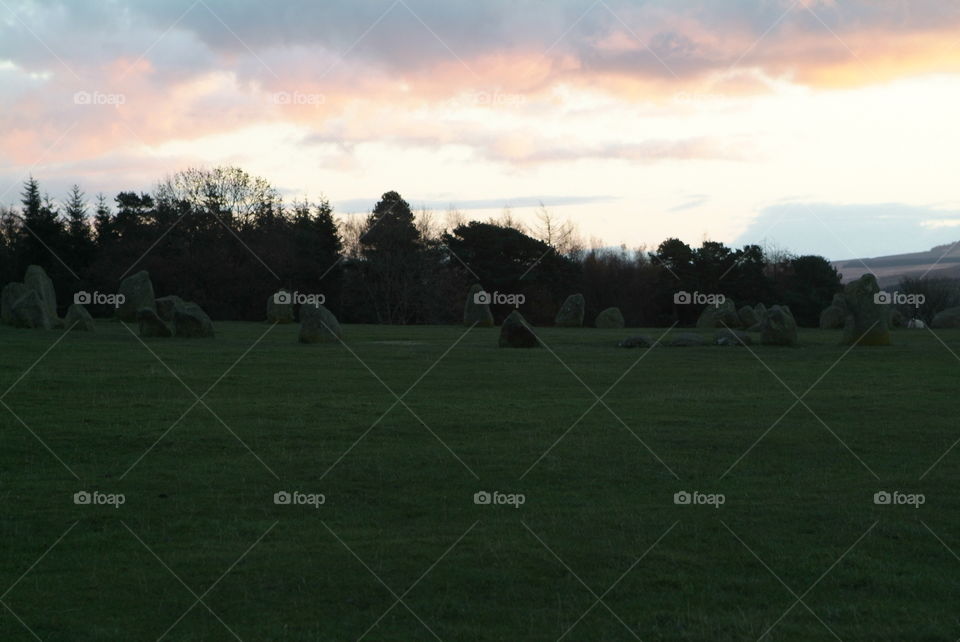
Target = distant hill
(941,261)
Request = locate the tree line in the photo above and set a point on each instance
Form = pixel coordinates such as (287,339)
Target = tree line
(227,240)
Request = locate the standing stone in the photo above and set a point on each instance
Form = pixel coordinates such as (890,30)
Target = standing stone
(638,341)
(12,292)
(78,318)
(516,332)
(833,317)
(949,318)
(897,320)
(727,337)
(280,307)
(867,322)
(717,316)
(189,320)
(29,311)
(152,325)
(37,280)
(748,317)
(477,308)
(138,293)
(778,327)
(166,305)
(611,318)
(318,325)
(571,312)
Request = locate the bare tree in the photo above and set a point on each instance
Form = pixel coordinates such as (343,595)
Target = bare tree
(226,191)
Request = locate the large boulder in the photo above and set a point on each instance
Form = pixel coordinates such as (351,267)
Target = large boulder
(833,317)
(867,321)
(477,308)
(718,316)
(151,325)
(280,307)
(949,318)
(37,280)
(12,293)
(166,306)
(778,327)
(318,325)
(727,337)
(748,317)
(516,332)
(897,320)
(686,340)
(137,291)
(78,318)
(30,311)
(190,321)
(571,312)
(610,319)
(638,341)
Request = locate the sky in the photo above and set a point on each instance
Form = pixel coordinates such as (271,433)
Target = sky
(815,126)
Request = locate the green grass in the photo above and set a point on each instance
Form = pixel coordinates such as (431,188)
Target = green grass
(199,499)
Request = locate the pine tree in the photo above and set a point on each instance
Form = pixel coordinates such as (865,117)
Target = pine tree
(103,221)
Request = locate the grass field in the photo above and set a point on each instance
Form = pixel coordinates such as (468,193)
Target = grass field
(400,551)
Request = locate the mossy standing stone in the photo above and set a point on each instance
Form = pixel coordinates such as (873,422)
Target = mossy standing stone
(78,318)
(280,307)
(867,322)
(476,310)
(137,291)
(718,316)
(151,325)
(12,293)
(778,327)
(29,311)
(610,319)
(318,325)
(190,321)
(571,312)
(748,317)
(166,306)
(37,280)
(638,341)
(949,318)
(517,333)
